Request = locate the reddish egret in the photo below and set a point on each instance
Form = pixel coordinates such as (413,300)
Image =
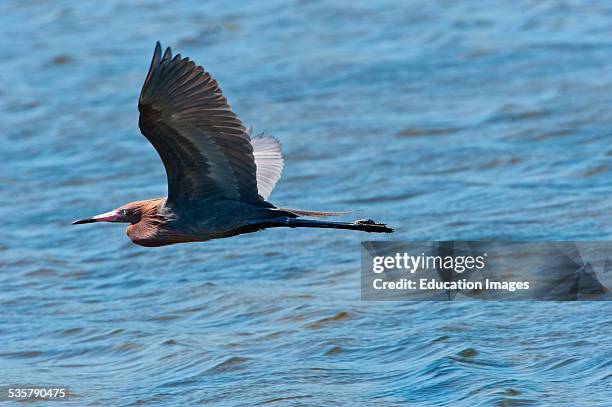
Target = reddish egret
(219,178)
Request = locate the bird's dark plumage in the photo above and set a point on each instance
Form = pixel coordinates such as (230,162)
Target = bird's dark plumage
(205,148)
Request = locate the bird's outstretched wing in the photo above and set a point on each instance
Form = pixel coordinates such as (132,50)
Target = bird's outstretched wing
(205,148)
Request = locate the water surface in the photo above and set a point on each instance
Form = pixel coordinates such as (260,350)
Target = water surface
(447,120)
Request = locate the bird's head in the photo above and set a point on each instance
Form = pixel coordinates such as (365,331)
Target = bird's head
(129,213)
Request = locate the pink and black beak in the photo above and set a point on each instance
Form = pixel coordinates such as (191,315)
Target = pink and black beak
(112,216)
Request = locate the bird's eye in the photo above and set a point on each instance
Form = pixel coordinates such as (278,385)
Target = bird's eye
(124,212)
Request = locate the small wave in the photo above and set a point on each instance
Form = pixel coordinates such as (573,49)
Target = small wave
(426,132)
(336,350)
(231,364)
(340,316)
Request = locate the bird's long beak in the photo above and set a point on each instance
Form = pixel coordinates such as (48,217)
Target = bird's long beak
(103,217)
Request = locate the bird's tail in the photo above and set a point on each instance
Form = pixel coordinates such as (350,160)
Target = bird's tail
(364,225)
(314,214)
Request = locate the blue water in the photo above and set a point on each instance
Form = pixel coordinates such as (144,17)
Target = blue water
(445,119)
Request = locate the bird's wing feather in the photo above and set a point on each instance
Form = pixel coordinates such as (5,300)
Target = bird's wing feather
(205,149)
(269,162)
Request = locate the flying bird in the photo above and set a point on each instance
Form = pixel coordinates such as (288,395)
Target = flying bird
(219,177)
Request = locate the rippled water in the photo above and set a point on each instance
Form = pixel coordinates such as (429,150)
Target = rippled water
(445,119)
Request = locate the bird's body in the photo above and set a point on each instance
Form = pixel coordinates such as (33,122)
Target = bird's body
(197,222)
(219,178)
